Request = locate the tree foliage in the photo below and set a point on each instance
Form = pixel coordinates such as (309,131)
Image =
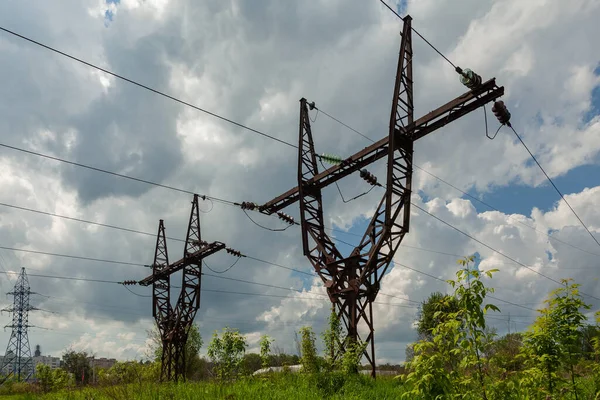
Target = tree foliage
(451,356)
(428,316)
(332,339)
(78,364)
(52,379)
(265,350)
(227,352)
(308,358)
(553,342)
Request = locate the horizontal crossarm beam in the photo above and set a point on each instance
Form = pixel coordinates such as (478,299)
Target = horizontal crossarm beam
(425,125)
(205,251)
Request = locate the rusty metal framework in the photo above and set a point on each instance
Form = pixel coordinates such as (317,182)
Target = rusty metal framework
(353,282)
(174,323)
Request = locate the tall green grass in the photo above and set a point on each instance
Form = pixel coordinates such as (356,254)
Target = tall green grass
(272,387)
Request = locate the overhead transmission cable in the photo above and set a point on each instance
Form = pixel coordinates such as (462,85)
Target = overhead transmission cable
(511,127)
(553,184)
(106,71)
(184,103)
(421,36)
(153,235)
(491,248)
(475,198)
(208,290)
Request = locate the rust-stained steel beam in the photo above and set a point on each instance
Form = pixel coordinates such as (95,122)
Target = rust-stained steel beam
(174,323)
(353,282)
(205,251)
(425,125)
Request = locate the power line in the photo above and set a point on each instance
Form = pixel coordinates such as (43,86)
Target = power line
(475,198)
(254,283)
(225,270)
(442,280)
(111,172)
(421,36)
(153,234)
(347,126)
(72,256)
(510,216)
(268,262)
(147,87)
(212,198)
(274,264)
(69,278)
(552,183)
(496,251)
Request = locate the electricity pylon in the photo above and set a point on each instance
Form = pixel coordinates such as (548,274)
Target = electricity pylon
(174,323)
(17,358)
(353,281)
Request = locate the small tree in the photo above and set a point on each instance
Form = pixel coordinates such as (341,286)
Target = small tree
(265,350)
(51,379)
(308,358)
(470,302)
(427,317)
(455,335)
(45,377)
(332,340)
(352,354)
(555,337)
(227,352)
(78,364)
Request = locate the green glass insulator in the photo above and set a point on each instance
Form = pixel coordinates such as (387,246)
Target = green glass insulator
(331,159)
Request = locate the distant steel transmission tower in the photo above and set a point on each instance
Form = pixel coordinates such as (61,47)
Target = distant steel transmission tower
(17,358)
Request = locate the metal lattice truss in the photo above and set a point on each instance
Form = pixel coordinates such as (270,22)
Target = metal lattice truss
(174,323)
(17,362)
(353,282)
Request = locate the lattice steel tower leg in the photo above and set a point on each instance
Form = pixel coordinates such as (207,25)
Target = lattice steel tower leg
(189,298)
(161,305)
(353,282)
(17,358)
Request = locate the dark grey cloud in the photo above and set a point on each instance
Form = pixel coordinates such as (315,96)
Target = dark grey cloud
(250,63)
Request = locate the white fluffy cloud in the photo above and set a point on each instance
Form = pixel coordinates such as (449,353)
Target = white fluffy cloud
(252,63)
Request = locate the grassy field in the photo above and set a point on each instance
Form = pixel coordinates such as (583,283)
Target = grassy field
(297,387)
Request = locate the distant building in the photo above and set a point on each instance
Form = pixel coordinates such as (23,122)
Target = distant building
(52,362)
(38,351)
(9,368)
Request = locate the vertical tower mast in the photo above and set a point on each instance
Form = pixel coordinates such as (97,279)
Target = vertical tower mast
(17,358)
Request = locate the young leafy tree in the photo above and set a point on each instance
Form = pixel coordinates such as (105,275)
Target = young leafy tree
(308,359)
(470,296)
(332,340)
(227,352)
(552,342)
(427,317)
(567,305)
(505,352)
(431,373)
(353,353)
(265,350)
(78,364)
(459,334)
(596,366)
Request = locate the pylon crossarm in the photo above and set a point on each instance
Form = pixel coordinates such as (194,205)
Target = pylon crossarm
(205,251)
(425,125)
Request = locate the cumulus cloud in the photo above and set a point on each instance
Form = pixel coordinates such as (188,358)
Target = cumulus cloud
(252,63)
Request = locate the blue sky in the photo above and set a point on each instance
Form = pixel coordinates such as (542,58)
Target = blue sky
(108,14)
